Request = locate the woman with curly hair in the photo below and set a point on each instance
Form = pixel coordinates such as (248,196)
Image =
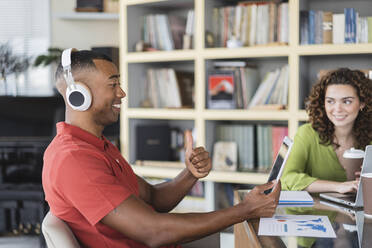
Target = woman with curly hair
(340,116)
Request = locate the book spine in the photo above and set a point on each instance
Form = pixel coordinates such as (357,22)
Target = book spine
(311,27)
(327,27)
(369,19)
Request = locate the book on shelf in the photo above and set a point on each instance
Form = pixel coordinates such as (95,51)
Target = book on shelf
(153,142)
(185,82)
(190,23)
(338,34)
(350,25)
(225,156)
(278,133)
(177,27)
(362,30)
(318,27)
(283,36)
(311,27)
(304,27)
(327,27)
(189,30)
(369,29)
(221,87)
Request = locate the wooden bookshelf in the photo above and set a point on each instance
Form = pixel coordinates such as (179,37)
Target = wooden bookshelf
(297,56)
(101,16)
(214,176)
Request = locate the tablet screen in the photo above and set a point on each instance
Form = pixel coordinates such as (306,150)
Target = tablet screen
(278,165)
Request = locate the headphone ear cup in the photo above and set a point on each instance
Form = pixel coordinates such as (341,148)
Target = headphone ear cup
(78,97)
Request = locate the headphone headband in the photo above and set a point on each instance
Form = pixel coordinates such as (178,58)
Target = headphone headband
(66,64)
(66,57)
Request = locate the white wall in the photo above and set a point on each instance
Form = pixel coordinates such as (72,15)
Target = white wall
(81,34)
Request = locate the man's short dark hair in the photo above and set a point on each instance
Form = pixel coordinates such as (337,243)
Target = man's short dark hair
(82,60)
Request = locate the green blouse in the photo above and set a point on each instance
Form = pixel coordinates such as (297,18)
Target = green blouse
(310,161)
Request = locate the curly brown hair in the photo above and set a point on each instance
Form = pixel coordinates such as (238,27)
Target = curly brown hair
(315,106)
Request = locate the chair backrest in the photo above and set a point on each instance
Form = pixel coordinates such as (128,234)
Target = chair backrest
(57,234)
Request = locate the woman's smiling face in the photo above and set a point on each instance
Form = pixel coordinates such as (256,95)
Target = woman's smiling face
(342,104)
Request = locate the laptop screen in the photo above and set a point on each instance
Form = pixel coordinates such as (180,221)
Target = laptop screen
(280,160)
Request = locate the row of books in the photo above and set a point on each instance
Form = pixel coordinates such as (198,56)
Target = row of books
(167,88)
(252,23)
(269,139)
(257,145)
(163,32)
(321,27)
(236,85)
(231,84)
(273,90)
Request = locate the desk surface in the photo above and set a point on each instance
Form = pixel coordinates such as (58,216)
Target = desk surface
(352,228)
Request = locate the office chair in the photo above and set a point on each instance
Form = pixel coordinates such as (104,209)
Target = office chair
(57,234)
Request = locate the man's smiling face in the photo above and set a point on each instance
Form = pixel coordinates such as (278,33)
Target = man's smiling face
(106,93)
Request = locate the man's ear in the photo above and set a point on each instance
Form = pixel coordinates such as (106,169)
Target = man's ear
(61,86)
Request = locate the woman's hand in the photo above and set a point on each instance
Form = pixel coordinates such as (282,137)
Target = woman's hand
(349,186)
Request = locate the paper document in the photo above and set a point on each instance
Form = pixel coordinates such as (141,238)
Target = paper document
(295,198)
(297,225)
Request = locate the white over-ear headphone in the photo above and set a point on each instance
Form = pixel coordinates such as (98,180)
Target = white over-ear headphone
(77,94)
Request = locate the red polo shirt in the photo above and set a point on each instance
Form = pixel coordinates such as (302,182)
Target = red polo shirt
(84,178)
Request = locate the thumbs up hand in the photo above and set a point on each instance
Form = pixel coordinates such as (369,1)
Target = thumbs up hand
(197,159)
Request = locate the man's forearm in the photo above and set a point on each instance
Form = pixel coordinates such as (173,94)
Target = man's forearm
(167,195)
(138,221)
(181,228)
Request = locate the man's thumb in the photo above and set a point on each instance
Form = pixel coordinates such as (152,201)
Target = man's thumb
(188,141)
(266,186)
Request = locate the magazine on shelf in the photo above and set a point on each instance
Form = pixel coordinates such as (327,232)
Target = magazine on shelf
(221,84)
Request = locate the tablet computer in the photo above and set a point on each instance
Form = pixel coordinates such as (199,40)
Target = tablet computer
(281,158)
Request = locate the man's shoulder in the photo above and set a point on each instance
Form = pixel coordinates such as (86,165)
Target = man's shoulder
(69,151)
(69,143)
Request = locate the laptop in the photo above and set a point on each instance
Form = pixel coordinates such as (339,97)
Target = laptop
(353,199)
(281,158)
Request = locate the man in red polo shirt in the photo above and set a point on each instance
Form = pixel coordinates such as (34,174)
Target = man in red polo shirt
(91,187)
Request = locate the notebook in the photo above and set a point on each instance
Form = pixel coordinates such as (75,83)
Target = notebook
(353,199)
(280,161)
(295,198)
